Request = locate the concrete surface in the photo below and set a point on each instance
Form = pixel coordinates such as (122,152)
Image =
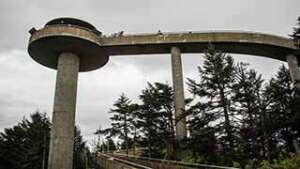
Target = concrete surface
(294,70)
(47,43)
(62,131)
(178,93)
(73,48)
(94,50)
(259,44)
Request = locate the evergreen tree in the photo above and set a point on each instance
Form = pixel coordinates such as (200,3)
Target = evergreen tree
(155,119)
(164,95)
(103,147)
(215,87)
(296,33)
(247,93)
(283,112)
(202,141)
(122,121)
(25,146)
(111,144)
(80,155)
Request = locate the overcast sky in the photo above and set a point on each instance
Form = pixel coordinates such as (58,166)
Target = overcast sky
(26,86)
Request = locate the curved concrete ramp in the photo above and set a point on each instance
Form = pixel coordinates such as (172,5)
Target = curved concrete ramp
(105,161)
(196,42)
(162,163)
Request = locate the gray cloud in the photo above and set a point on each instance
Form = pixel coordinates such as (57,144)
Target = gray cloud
(26,86)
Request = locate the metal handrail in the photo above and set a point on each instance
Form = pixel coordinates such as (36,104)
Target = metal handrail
(126,162)
(176,162)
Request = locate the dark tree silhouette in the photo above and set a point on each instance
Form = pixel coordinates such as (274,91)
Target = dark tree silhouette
(215,87)
(122,120)
(25,145)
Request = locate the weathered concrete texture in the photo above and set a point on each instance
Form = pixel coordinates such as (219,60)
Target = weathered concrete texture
(109,162)
(159,163)
(251,43)
(178,93)
(46,44)
(198,37)
(294,70)
(63,119)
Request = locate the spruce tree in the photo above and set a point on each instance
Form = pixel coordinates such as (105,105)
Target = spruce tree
(155,119)
(296,33)
(283,110)
(25,145)
(202,142)
(214,89)
(122,120)
(111,144)
(80,155)
(247,93)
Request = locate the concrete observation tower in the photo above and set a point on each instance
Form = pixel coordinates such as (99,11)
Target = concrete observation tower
(70,46)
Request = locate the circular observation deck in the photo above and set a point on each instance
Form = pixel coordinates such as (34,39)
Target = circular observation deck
(68,35)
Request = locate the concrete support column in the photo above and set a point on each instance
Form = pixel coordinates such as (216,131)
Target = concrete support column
(295,75)
(179,93)
(294,70)
(63,119)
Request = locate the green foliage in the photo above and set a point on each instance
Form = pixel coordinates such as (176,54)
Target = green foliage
(281,118)
(289,163)
(214,91)
(265,165)
(191,158)
(296,33)
(247,91)
(25,145)
(259,121)
(80,155)
(235,118)
(122,121)
(111,144)
(155,120)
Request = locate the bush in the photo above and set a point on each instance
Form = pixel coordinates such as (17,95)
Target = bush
(265,165)
(291,163)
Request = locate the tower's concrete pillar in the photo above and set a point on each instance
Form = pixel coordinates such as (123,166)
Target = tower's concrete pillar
(63,119)
(294,70)
(295,75)
(179,93)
